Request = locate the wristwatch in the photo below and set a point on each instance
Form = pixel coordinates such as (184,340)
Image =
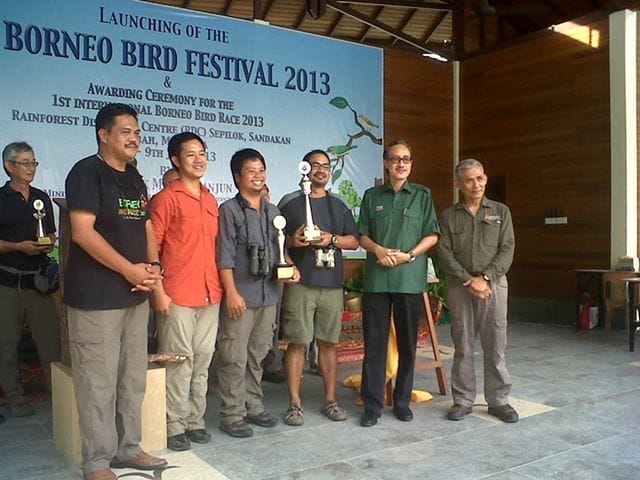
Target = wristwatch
(334,240)
(412,256)
(486,277)
(157,264)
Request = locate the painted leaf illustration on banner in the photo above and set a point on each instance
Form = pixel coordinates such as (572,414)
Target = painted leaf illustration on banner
(338,153)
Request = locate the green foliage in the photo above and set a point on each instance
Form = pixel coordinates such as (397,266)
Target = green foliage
(349,193)
(353,284)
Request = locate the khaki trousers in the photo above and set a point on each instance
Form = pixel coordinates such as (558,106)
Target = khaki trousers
(38,310)
(109,360)
(472,317)
(189,331)
(242,345)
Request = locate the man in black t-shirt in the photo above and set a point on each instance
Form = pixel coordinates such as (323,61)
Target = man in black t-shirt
(113,264)
(313,308)
(21,257)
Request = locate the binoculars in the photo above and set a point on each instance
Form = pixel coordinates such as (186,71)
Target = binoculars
(325,258)
(258,261)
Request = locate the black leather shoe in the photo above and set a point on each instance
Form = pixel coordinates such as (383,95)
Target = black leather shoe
(404,414)
(369,419)
(179,443)
(506,413)
(238,429)
(199,435)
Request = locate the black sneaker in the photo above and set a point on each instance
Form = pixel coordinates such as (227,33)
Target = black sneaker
(506,413)
(458,412)
(179,443)
(200,435)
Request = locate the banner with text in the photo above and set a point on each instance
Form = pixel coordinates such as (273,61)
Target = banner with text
(235,83)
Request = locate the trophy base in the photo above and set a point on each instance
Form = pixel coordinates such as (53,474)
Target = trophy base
(284,272)
(312,237)
(44,241)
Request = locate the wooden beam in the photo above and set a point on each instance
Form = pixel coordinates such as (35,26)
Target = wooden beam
(400,3)
(429,33)
(300,18)
(458,29)
(267,9)
(368,27)
(257,10)
(405,21)
(227,7)
(389,30)
(334,26)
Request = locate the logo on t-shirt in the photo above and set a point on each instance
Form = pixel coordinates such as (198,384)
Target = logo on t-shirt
(132,208)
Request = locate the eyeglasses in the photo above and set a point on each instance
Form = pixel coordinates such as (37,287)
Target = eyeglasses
(25,164)
(403,160)
(321,166)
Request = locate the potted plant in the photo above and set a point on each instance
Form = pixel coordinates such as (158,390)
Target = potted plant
(353,293)
(437,290)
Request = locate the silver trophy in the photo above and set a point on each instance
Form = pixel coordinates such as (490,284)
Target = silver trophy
(41,237)
(284,270)
(312,233)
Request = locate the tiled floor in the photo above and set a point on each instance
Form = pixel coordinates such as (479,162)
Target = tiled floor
(578,396)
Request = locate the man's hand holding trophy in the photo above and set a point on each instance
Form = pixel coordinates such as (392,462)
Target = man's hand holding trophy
(42,238)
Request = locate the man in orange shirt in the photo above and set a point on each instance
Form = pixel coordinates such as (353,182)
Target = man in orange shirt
(185,219)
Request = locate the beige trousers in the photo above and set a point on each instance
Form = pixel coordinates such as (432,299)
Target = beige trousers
(109,360)
(242,345)
(470,318)
(188,331)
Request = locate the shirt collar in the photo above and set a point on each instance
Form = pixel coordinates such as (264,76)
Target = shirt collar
(407,187)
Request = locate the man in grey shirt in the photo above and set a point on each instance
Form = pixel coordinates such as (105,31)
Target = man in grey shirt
(246,256)
(476,251)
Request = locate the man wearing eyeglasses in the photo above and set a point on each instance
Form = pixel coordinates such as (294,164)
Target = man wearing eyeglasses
(21,257)
(398,225)
(313,308)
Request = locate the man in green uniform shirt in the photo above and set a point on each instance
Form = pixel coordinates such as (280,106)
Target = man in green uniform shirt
(397,225)
(476,251)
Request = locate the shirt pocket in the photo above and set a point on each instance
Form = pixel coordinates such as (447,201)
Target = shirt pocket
(490,234)
(412,225)
(380,223)
(211,221)
(459,241)
(186,227)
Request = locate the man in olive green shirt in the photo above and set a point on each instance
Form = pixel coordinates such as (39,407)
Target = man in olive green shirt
(475,252)
(398,225)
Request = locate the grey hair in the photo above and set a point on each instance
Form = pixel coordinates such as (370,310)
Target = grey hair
(12,150)
(467,163)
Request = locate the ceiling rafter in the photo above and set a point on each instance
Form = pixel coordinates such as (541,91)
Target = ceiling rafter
(429,33)
(400,3)
(366,28)
(335,5)
(405,21)
(227,7)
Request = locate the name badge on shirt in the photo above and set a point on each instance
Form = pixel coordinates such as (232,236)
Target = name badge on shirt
(497,219)
(379,208)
